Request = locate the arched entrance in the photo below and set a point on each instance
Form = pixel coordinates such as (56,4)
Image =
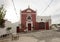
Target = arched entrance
(29,25)
(41,25)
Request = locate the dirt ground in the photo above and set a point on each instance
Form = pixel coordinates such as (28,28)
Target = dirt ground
(37,36)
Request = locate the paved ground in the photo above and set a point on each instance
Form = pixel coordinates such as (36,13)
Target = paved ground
(38,36)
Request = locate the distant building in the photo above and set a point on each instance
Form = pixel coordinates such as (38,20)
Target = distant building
(55,27)
(30,22)
(58,26)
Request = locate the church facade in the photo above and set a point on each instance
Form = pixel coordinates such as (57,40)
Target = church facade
(30,21)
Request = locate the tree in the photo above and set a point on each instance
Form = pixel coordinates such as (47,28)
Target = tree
(8,29)
(2,15)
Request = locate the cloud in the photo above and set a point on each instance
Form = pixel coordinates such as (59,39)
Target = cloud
(1,2)
(39,5)
(56,19)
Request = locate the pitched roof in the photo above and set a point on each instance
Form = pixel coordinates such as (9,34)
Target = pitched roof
(28,10)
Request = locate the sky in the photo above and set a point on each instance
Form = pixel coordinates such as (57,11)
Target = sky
(39,5)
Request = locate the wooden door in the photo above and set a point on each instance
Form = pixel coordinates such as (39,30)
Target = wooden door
(18,29)
(29,27)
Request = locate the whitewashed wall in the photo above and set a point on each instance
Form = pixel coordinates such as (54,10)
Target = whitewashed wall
(8,24)
(2,31)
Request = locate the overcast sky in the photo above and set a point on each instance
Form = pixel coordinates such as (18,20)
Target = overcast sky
(39,5)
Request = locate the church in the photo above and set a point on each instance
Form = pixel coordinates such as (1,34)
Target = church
(30,21)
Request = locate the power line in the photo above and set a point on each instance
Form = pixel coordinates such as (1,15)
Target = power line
(47,7)
(14,7)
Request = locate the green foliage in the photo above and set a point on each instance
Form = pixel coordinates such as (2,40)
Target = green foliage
(2,21)
(2,15)
(9,28)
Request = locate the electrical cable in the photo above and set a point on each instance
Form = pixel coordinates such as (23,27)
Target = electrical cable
(47,7)
(14,7)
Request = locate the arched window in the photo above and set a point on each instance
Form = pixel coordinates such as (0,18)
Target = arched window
(28,17)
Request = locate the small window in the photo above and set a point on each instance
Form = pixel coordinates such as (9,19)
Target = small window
(41,19)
